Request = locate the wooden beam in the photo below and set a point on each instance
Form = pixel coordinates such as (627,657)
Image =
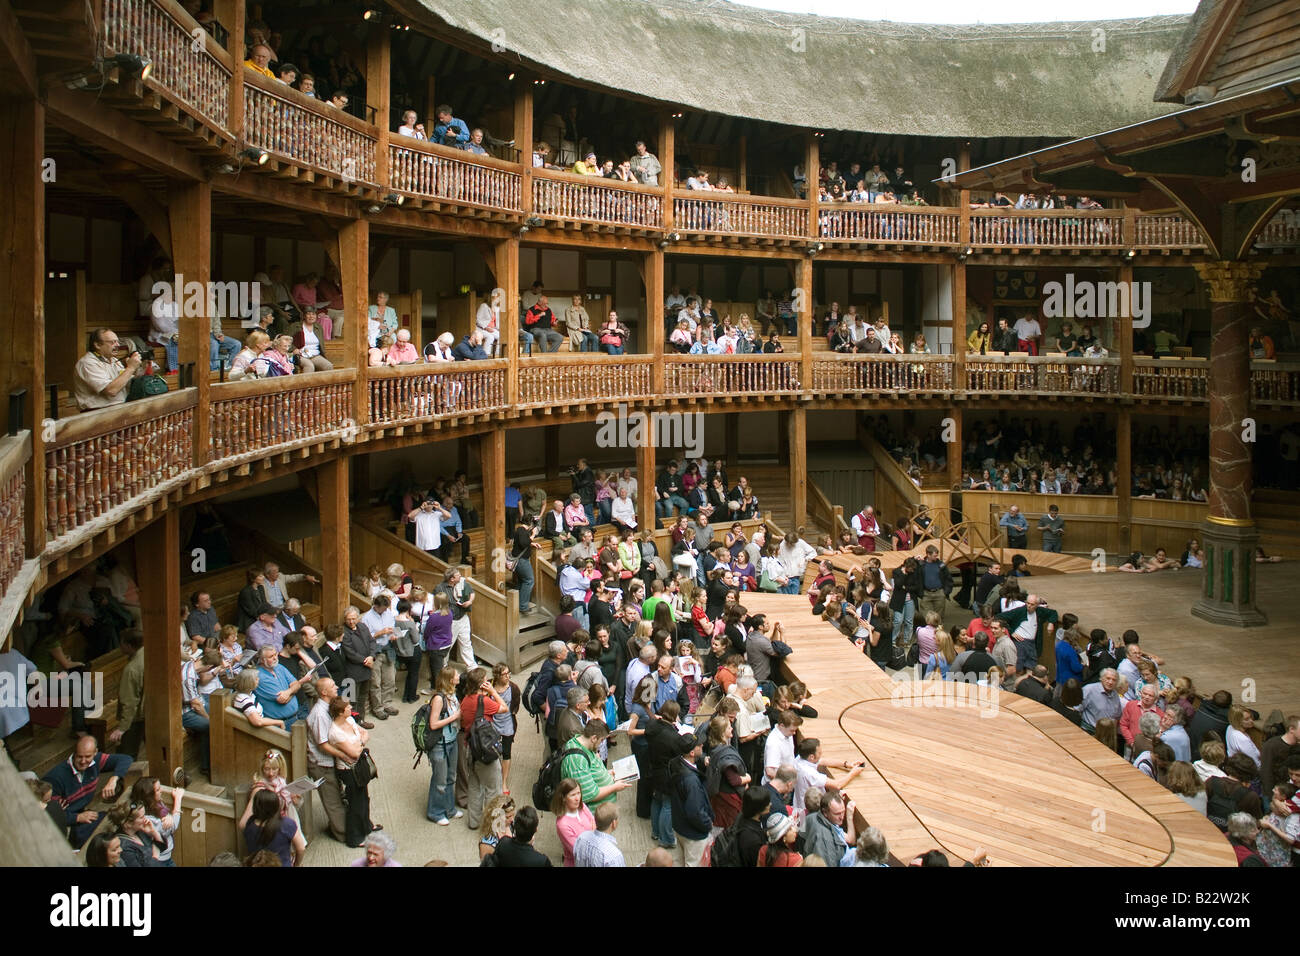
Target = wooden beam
(652,265)
(85,118)
(17,63)
(190,221)
(492,465)
(523,135)
(668,162)
(333,500)
(1124,475)
(505,271)
(158,551)
(22,289)
(645,484)
(797,434)
(379,74)
(233,15)
(354,258)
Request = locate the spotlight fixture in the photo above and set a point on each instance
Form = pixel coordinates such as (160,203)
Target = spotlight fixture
(133,65)
(375,207)
(663,245)
(818,135)
(521,230)
(968,251)
(394,199)
(961,256)
(534,222)
(677,116)
(674,237)
(814,248)
(372,14)
(255,155)
(510,77)
(227,168)
(1131,254)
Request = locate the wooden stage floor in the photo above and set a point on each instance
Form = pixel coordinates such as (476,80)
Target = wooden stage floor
(957,767)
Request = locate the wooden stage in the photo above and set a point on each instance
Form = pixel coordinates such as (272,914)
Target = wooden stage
(956,767)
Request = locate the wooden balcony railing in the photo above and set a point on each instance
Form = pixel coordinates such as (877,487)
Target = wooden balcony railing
(438,172)
(1165,231)
(882,373)
(15,453)
(879,223)
(589,377)
(593,199)
(307,131)
(731,375)
(436,390)
(1273,383)
(1162,378)
(1064,228)
(741,215)
(1282,230)
(165,33)
(102,459)
(1043,374)
(249,417)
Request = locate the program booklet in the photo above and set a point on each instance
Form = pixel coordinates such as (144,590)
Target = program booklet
(625,768)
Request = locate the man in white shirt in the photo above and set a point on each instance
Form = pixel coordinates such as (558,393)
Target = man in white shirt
(857,325)
(161,309)
(101,380)
(1029,332)
(381,622)
(675,299)
(778,751)
(529,298)
(626,482)
(488,321)
(623,511)
(639,668)
(794,554)
(320,757)
(428,519)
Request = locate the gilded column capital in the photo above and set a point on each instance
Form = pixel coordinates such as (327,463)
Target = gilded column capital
(1229,281)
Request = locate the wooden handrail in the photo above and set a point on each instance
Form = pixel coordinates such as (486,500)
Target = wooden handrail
(287,93)
(600,182)
(248,387)
(15,453)
(115,418)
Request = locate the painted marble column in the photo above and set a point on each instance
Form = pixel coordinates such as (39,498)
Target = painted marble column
(1228,596)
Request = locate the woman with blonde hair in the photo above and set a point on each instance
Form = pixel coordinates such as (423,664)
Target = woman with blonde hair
(444,723)
(272,776)
(398,582)
(945,653)
(500,817)
(377,356)
(746,334)
(242,365)
(1237,738)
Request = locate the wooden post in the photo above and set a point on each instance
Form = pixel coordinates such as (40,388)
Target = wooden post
(958,326)
(506,274)
(22,290)
(646,496)
(797,435)
(524,142)
(732,440)
(953,447)
(233,15)
(1124,336)
(652,271)
(742,163)
(963,202)
(190,214)
(354,274)
(1124,479)
(158,550)
(333,499)
(812,167)
(379,73)
(805,318)
(492,465)
(667,146)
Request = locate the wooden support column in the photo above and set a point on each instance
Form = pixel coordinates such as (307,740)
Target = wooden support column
(652,274)
(333,497)
(732,440)
(958,326)
(22,290)
(797,438)
(233,15)
(492,465)
(523,132)
(157,559)
(379,74)
(1124,483)
(506,274)
(645,485)
(354,275)
(667,146)
(1124,335)
(953,445)
(805,318)
(812,166)
(742,163)
(190,214)
(551,444)
(963,201)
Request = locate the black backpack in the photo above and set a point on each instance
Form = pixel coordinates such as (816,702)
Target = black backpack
(549,777)
(1223,800)
(726,849)
(484,738)
(533,707)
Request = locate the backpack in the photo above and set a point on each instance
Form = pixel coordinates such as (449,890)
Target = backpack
(146,386)
(530,701)
(423,738)
(1222,802)
(549,777)
(484,738)
(726,849)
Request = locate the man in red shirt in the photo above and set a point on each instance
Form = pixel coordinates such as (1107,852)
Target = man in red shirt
(484,778)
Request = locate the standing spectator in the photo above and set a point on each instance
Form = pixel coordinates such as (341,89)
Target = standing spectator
(484,777)
(428,520)
(321,755)
(691,809)
(381,622)
(1053,526)
(1017,527)
(460,598)
(517,850)
(572,817)
(645,165)
(598,847)
(359,654)
(444,724)
(129,733)
(831,832)
(352,768)
(448,130)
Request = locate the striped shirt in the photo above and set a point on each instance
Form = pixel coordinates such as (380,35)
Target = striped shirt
(594,848)
(588,771)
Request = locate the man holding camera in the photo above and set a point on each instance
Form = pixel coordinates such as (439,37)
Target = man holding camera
(102,380)
(428,519)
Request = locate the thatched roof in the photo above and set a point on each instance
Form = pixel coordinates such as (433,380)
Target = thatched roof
(908,79)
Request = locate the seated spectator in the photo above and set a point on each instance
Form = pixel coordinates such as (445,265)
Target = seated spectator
(258,61)
(613,335)
(377,354)
(402,351)
(245,362)
(278,359)
(76,784)
(381,318)
(539,321)
(448,130)
(101,380)
(578,324)
(475,144)
(411,126)
(307,346)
